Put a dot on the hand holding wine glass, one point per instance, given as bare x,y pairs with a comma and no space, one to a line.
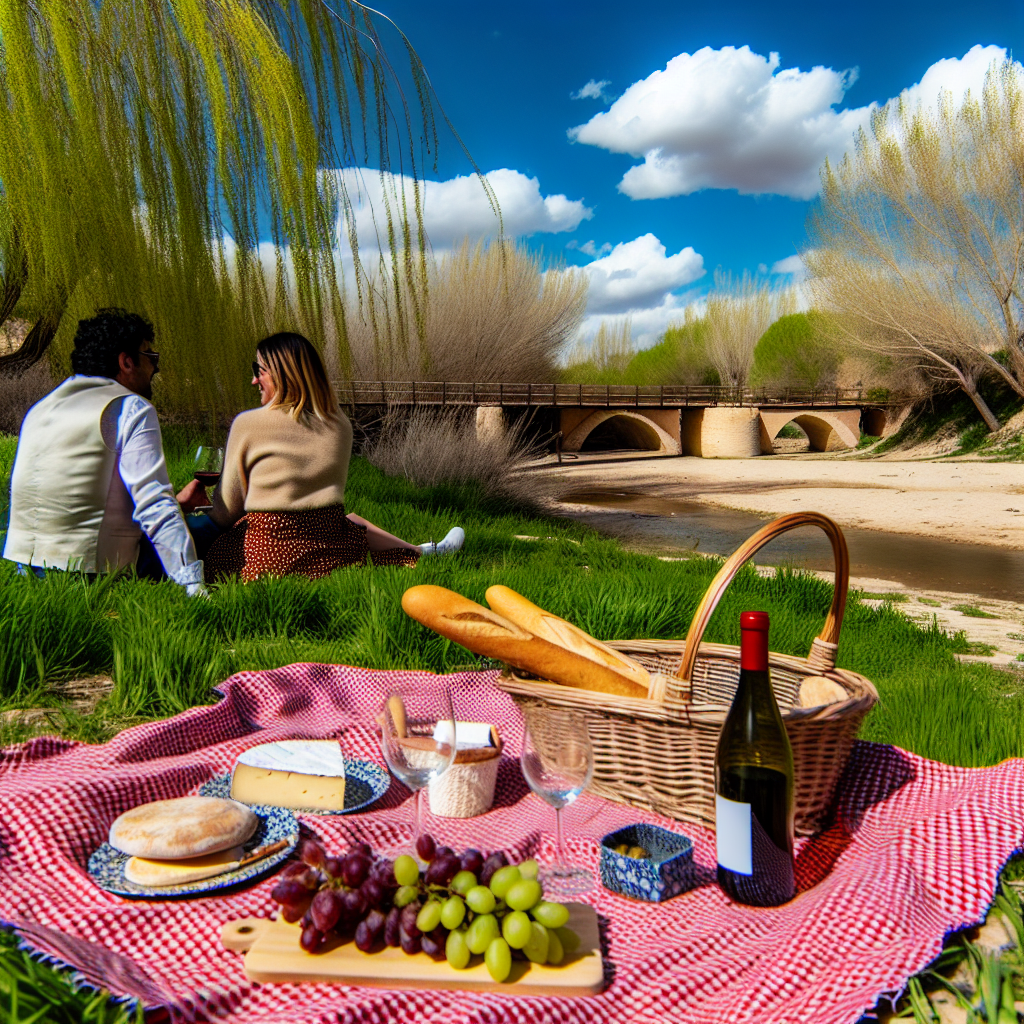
418,741
558,763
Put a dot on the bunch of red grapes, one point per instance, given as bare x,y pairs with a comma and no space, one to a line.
460,905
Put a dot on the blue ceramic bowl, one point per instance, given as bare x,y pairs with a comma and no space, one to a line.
667,872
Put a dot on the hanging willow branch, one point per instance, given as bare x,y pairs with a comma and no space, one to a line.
146,148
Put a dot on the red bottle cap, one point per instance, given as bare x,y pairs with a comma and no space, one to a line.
754,641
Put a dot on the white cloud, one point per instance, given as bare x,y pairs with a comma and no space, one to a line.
590,248
592,91
638,275
459,207
731,119
790,265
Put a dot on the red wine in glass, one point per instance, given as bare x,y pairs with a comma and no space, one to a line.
208,465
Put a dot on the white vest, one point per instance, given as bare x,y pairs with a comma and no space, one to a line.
69,507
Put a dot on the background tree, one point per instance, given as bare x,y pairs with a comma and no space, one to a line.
795,352
918,244
736,316
146,148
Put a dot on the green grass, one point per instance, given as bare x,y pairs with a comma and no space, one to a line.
973,611
166,652
955,411
895,598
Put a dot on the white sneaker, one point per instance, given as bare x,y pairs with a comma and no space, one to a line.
452,542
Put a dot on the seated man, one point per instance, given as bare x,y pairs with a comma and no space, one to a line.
89,475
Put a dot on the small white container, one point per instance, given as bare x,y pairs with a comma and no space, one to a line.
466,789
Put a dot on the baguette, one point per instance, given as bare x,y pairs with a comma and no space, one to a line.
485,632
550,627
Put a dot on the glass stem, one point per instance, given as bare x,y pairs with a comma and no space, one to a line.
560,860
417,821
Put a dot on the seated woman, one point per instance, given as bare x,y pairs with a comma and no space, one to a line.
281,495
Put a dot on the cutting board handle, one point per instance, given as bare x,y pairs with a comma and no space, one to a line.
241,934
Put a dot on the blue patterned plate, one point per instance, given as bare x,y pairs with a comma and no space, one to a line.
365,782
106,865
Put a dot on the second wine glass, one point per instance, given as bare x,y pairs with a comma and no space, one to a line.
558,763
418,743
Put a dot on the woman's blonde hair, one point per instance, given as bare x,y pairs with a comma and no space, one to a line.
300,381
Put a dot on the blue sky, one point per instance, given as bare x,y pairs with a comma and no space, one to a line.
506,75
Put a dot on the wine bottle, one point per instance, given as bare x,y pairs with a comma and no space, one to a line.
754,783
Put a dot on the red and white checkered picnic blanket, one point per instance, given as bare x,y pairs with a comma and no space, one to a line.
913,855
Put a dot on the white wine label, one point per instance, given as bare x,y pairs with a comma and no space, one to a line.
732,835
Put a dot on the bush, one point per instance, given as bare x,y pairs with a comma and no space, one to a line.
431,448
794,353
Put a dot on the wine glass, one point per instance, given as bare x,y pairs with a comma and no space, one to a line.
558,762
418,742
208,465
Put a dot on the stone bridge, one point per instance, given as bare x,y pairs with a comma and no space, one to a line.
721,431
707,421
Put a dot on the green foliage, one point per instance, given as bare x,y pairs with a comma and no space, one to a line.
159,131
680,357
794,352
689,340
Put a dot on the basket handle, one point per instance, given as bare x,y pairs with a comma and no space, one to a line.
823,650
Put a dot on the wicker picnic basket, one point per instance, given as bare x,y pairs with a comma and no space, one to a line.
661,755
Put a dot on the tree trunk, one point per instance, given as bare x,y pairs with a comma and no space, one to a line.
981,405
34,347
14,280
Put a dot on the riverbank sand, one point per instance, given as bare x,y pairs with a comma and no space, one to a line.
965,501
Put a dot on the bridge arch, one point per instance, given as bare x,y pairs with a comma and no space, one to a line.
826,431
632,429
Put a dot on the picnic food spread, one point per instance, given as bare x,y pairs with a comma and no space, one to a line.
297,774
459,907
183,828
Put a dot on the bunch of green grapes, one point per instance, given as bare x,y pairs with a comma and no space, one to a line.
497,910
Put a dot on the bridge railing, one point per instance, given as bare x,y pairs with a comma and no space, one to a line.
444,393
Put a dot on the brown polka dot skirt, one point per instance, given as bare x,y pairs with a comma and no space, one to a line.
311,543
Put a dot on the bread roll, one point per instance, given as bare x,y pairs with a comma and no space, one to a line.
485,632
550,627
816,691
190,826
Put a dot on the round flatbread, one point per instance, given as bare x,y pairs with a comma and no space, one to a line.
190,826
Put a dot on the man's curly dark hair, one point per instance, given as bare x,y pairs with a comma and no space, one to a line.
102,338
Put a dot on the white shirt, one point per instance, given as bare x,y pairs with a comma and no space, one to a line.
130,426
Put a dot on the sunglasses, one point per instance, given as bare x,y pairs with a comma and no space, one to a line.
257,369
152,356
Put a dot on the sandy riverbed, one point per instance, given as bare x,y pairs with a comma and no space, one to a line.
973,502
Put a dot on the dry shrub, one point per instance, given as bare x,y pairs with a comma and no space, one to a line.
20,391
431,447
489,313
736,317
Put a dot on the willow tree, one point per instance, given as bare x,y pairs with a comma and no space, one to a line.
918,245
146,148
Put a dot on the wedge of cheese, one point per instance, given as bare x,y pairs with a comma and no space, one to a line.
297,774
159,873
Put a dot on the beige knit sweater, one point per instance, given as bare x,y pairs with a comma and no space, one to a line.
274,463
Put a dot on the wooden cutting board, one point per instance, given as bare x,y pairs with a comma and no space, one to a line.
272,954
